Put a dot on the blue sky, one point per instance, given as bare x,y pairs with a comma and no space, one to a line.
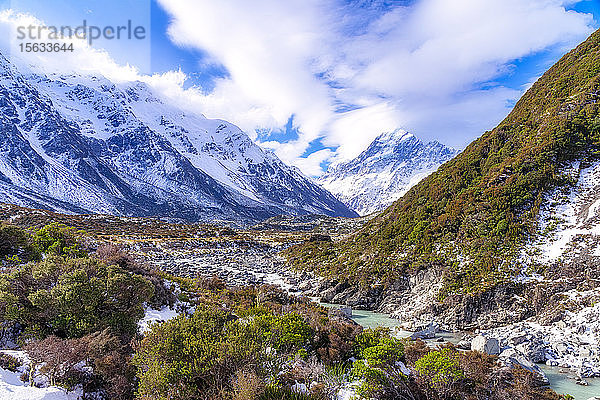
316,81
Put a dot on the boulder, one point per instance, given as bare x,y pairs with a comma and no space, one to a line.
427,333
347,311
464,345
328,295
534,351
485,345
512,358
518,339
561,348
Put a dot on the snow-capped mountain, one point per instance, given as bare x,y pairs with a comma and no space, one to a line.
392,164
85,144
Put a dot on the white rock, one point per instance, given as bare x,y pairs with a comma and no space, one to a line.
570,343
300,388
485,345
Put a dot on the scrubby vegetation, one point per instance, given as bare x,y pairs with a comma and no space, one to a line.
241,343
70,305
72,298
74,308
471,216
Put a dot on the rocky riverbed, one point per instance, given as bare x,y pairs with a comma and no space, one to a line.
237,261
572,342
566,336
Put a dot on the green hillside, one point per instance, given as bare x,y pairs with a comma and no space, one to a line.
472,215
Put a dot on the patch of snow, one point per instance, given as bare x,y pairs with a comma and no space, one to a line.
569,214
403,368
153,316
348,392
12,388
593,210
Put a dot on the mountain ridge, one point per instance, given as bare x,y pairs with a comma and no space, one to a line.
393,163
471,220
98,146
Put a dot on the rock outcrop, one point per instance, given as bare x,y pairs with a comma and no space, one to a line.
572,342
485,345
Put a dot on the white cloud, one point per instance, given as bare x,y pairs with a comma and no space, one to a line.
420,68
354,130
444,47
267,48
84,59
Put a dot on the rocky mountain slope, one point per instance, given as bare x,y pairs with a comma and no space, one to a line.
502,240
499,233
392,164
84,144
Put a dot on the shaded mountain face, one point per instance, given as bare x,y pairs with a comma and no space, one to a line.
86,145
488,215
392,164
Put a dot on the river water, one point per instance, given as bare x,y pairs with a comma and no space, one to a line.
560,382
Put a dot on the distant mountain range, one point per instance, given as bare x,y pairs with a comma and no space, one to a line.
83,144
392,164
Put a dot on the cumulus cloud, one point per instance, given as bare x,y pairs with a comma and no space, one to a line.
420,68
347,70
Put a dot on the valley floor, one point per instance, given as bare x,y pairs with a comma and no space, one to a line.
569,346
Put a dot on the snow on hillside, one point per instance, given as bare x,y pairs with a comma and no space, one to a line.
13,388
152,316
569,222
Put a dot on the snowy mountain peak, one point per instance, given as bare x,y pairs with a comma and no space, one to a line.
393,163
393,137
85,144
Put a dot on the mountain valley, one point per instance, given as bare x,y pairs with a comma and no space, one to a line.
148,252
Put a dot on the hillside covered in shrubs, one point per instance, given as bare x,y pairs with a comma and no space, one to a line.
475,213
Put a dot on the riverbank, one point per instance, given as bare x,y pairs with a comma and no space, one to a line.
561,380
562,383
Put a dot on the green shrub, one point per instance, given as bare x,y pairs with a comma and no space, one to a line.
203,355
377,367
369,338
288,332
16,245
58,239
274,392
9,362
72,297
188,357
440,369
